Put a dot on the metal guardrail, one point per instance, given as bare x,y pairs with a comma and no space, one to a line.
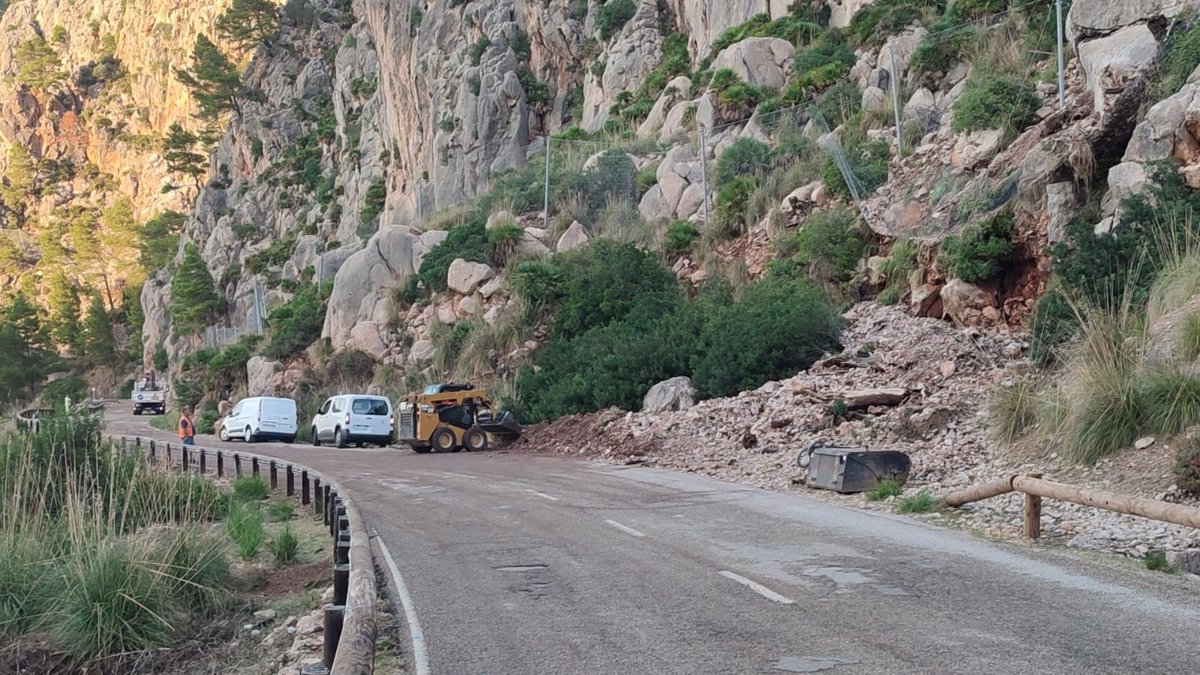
1036,488
349,622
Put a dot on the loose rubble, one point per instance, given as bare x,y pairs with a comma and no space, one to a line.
919,385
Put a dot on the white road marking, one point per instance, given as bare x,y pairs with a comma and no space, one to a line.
543,495
420,656
758,588
625,528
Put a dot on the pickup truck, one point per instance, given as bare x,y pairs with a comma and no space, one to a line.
148,397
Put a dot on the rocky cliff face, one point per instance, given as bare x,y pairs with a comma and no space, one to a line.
86,93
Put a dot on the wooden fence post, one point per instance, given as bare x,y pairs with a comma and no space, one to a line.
168,455
304,498
254,466
237,465
341,582
290,480
334,614
203,462
1033,513
274,476
183,463
220,464
152,452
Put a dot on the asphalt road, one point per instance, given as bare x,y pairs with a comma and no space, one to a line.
520,564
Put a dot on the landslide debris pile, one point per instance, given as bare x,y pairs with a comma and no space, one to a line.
902,383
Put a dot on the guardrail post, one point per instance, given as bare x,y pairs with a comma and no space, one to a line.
341,583
304,498
254,466
341,549
237,465
325,492
137,442
220,464
168,455
274,476
153,450
203,461
290,480
318,496
1033,513
183,464
334,615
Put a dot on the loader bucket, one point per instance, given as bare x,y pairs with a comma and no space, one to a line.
504,426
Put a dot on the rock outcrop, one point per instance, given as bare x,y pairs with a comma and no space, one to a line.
673,394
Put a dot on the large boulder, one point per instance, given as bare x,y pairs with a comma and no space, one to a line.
760,61
575,237
964,302
673,394
363,286
422,350
1088,18
976,148
675,91
259,370
464,277
368,337
1112,62
842,11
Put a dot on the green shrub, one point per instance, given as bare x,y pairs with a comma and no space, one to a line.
733,198
874,23
829,245
194,299
680,236
885,489
198,571
297,323
819,67
1182,55
505,240
606,282
778,328
613,15
478,49
922,502
980,252
468,241
373,204
647,178
538,283
839,103
745,157
1171,399
250,488
285,546
943,46
1187,466
868,164
995,101
1053,323
1189,337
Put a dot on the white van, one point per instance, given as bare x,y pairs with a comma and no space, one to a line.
354,418
261,418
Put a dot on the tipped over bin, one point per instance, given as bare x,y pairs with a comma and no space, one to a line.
852,469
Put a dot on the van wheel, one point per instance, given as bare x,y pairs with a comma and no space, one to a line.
339,438
224,435
475,439
316,441
443,440
248,436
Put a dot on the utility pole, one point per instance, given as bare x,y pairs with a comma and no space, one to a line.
546,189
896,99
1061,89
704,170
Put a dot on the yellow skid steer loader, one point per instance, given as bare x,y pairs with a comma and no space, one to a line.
451,417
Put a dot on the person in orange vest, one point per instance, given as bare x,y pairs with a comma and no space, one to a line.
187,430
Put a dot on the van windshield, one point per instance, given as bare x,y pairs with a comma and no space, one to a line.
370,406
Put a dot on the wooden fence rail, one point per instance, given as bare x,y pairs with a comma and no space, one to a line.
350,621
1035,488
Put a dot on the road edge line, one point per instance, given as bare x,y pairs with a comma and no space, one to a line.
758,588
415,634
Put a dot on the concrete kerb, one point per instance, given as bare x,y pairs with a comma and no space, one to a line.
356,648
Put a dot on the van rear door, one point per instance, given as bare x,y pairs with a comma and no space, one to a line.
278,415
370,416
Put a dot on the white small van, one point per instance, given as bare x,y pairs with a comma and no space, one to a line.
261,418
354,418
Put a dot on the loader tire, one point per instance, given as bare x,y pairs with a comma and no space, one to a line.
442,440
476,440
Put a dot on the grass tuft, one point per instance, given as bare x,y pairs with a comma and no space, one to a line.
245,527
1156,561
281,511
250,489
1014,410
921,502
885,489
1189,337
285,546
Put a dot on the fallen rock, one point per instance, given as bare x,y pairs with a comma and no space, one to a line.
464,277
964,302
673,394
573,238
1144,442
264,616
976,148
865,398
1187,560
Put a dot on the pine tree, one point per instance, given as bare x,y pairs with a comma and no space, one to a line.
17,182
248,23
27,357
159,240
213,79
179,150
63,300
98,345
194,301
37,63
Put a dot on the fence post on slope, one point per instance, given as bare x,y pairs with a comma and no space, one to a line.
546,189
704,171
896,100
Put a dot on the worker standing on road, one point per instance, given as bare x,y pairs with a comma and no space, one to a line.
187,430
